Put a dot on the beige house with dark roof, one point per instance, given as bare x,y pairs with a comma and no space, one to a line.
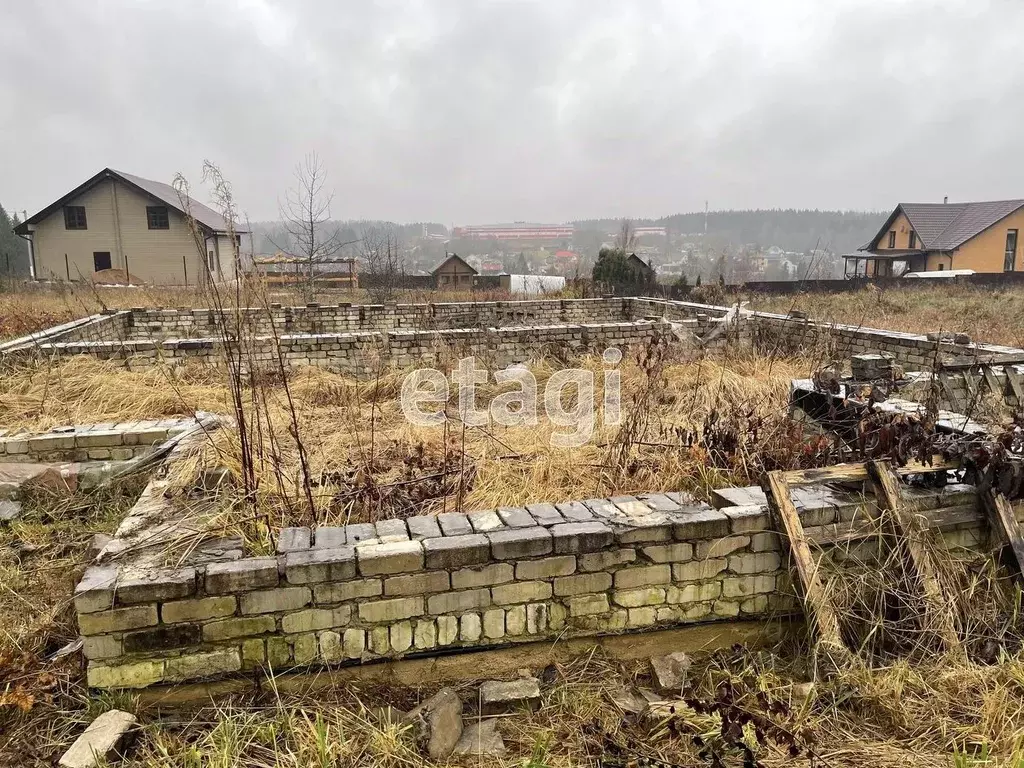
924,237
117,221
454,272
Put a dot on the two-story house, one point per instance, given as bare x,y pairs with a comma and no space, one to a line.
924,237
117,221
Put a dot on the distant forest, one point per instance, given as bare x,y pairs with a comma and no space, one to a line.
789,229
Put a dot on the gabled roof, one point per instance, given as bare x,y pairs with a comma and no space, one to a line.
643,264
453,257
945,226
162,193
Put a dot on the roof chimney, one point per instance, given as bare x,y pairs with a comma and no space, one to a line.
945,199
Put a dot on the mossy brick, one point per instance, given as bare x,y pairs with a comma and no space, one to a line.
401,636
293,540
254,653
582,584
603,561
643,576
319,565
95,590
699,523
716,548
155,586
575,538
102,647
417,583
194,666
635,598
139,674
313,619
199,609
118,620
536,618
642,617
391,610
517,543
546,568
457,602
274,600
331,646
745,586
483,575
391,557
586,605
241,575
451,552
755,562
279,652
100,438
694,593
341,591
305,649
521,592
698,570
470,627
669,553
659,502
247,626
423,527
425,634
163,637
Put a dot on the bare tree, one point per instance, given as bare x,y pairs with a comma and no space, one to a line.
306,211
379,249
626,240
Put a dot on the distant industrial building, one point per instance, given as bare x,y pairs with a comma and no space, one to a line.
516,231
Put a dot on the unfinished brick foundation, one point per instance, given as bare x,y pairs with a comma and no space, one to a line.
465,581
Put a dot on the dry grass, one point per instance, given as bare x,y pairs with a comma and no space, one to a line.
993,316
711,422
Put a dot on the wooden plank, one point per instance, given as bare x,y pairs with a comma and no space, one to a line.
819,606
992,381
858,472
909,530
1003,520
1016,383
949,392
963,363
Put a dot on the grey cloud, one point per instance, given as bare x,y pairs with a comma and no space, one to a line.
486,111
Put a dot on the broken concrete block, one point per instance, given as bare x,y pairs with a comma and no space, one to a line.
481,738
438,722
669,672
9,510
101,740
500,695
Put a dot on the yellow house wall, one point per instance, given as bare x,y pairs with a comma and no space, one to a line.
902,226
984,253
116,219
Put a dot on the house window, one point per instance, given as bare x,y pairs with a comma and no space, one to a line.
156,215
941,267
211,261
100,260
912,239
74,217
892,238
1010,256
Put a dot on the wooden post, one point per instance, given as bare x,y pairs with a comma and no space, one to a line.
820,608
1003,522
906,527
67,267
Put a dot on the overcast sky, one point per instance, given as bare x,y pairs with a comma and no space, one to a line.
473,112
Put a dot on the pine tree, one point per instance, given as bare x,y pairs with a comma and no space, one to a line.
13,250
